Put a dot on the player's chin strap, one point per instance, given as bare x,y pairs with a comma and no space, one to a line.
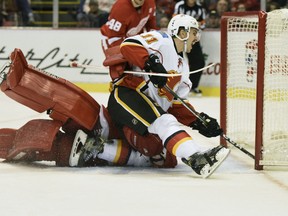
204,122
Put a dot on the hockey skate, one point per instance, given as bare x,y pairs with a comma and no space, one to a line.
84,148
206,163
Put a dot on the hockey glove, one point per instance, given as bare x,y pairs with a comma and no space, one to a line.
153,64
210,128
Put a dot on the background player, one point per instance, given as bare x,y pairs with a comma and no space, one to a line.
128,18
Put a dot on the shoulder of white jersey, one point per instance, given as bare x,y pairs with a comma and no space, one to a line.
153,39
161,34
161,37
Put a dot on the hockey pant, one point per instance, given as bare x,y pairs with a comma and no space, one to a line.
134,109
131,109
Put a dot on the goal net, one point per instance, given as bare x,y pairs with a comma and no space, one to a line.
254,83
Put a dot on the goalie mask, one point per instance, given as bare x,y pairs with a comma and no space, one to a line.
182,21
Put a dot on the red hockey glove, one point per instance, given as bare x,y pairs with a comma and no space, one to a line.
153,64
210,128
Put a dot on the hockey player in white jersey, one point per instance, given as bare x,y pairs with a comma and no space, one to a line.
140,102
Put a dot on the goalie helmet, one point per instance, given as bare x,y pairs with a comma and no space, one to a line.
182,20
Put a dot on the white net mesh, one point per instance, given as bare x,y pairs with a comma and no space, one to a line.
242,50
241,78
275,113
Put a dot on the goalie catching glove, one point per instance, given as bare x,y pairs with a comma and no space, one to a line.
153,64
208,128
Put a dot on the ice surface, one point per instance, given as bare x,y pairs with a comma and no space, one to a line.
235,189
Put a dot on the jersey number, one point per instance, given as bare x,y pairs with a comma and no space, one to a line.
149,38
114,25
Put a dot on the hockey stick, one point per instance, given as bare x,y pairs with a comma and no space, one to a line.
203,121
94,67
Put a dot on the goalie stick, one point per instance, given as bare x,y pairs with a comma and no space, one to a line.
76,64
203,121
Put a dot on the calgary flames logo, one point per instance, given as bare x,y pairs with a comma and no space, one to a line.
171,82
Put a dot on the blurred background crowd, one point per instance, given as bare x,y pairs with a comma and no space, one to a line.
94,13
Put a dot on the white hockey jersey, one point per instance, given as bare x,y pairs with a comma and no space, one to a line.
162,45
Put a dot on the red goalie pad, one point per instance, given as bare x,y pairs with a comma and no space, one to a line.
42,91
37,140
36,135
7,136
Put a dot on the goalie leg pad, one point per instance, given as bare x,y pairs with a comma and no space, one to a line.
7,136
41,91
34,136
60,151
62,146
148,144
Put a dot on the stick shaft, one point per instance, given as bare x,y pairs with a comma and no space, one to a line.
94,67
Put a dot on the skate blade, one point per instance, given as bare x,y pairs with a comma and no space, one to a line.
79,141
221,156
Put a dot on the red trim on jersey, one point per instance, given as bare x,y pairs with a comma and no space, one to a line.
175,139
134,53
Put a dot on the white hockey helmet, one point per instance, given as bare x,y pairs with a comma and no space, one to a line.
182,20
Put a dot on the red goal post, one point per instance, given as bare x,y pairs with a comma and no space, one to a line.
254,83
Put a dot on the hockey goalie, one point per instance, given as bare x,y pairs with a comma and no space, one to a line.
78,130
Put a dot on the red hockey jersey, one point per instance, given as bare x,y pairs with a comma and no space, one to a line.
125,21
